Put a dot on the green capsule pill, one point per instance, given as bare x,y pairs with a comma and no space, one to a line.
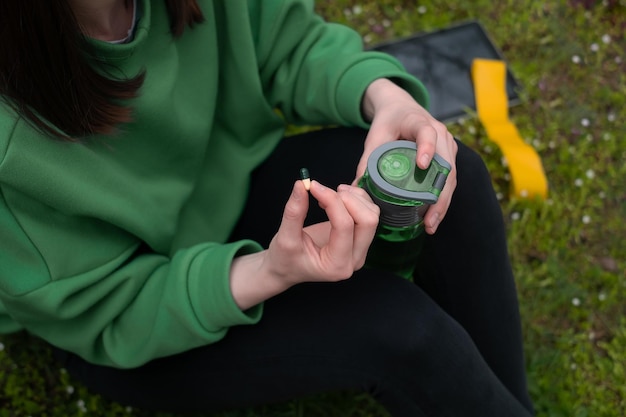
306,178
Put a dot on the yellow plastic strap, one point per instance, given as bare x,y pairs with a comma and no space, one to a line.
527,175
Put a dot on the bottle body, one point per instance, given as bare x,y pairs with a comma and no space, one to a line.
396,249
403,192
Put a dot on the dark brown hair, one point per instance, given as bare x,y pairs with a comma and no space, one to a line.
46,76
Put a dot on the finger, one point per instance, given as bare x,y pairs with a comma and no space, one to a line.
339,247
376,136
295,212
426,137
437,212
360,169
361,195
365,215
319,233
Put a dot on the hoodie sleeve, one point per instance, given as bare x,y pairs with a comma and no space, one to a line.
315,71
92,289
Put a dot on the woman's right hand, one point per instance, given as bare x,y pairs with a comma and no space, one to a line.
329,251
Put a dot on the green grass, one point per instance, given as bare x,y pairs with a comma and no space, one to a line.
568,252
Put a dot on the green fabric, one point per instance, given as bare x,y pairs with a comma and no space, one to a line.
114,247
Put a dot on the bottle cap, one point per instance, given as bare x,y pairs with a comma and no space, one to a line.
399,187
393,171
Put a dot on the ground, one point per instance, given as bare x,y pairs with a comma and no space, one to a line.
568,251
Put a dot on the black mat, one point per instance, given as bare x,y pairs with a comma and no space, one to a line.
442,60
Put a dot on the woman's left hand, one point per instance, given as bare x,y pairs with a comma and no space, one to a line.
396,115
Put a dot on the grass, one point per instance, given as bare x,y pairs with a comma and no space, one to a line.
568,252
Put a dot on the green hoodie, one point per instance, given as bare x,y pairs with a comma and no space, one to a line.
114,248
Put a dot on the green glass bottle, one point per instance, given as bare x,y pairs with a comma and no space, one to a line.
403,192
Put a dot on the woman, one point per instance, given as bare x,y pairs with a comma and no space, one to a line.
153,232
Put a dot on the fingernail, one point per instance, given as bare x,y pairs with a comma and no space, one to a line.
425,160
319,186
343,187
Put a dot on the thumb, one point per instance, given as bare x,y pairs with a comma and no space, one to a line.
360,169
295,211
377,135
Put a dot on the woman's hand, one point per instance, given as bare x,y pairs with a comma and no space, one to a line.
329,251
396,115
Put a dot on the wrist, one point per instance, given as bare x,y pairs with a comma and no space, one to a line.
252,282
374,95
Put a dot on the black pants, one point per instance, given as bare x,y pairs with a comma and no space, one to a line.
449,346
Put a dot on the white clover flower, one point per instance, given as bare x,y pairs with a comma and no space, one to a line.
129,409
611,117
585,122
592,335
590,174
81,406
576,59
1,346
386,23
504,162
422,9
607,136
578,182
552,144
357,9
367,38
573,366
536,143
586,219
515,216
594,47
606,38
576,301
471,130
602,195
602,296
69,389
523,193
488,149
618,59
499,196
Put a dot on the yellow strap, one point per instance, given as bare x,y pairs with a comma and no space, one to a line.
492,105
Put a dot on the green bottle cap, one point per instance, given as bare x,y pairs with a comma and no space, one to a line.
393,171
399,187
